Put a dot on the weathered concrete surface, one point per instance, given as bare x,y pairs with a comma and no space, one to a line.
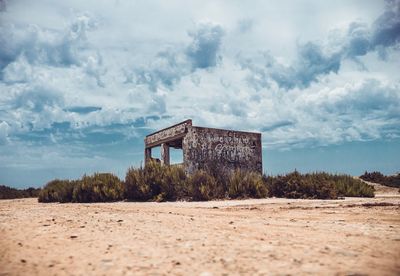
165,154
167,134
226,148
207,147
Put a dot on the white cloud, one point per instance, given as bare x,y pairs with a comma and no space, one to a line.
18,71
45,45
4,127
118,67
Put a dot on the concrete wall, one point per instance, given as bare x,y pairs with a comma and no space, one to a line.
231,149
167,134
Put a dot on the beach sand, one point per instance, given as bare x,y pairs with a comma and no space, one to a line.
352,236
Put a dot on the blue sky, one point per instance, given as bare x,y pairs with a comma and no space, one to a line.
82,82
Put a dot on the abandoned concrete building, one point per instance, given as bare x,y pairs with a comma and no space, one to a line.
202,147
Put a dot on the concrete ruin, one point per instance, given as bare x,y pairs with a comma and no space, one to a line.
203,147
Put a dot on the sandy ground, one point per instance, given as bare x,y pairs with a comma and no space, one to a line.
272,236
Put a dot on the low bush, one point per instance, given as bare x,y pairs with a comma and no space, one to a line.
57,191
136,188
100,187
221,174
347,185
155,182
317,186
174,184
243,184
162,183
203,186
296,185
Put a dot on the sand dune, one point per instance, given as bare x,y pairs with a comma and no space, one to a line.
267,236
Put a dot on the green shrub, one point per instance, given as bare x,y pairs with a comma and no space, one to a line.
203,186
173,184
351,187
221,174
317,185
132,184
155,182
136,186
100,187
57,191
243,184
296,185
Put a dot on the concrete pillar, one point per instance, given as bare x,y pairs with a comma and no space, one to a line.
164,154
147,155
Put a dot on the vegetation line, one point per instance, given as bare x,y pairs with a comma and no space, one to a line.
170,183
10,193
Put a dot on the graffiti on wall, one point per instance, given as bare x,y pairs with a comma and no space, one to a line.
225,147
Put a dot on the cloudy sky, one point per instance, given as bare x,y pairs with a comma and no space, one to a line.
82,82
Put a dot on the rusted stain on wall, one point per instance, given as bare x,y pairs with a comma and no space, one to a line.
204,147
